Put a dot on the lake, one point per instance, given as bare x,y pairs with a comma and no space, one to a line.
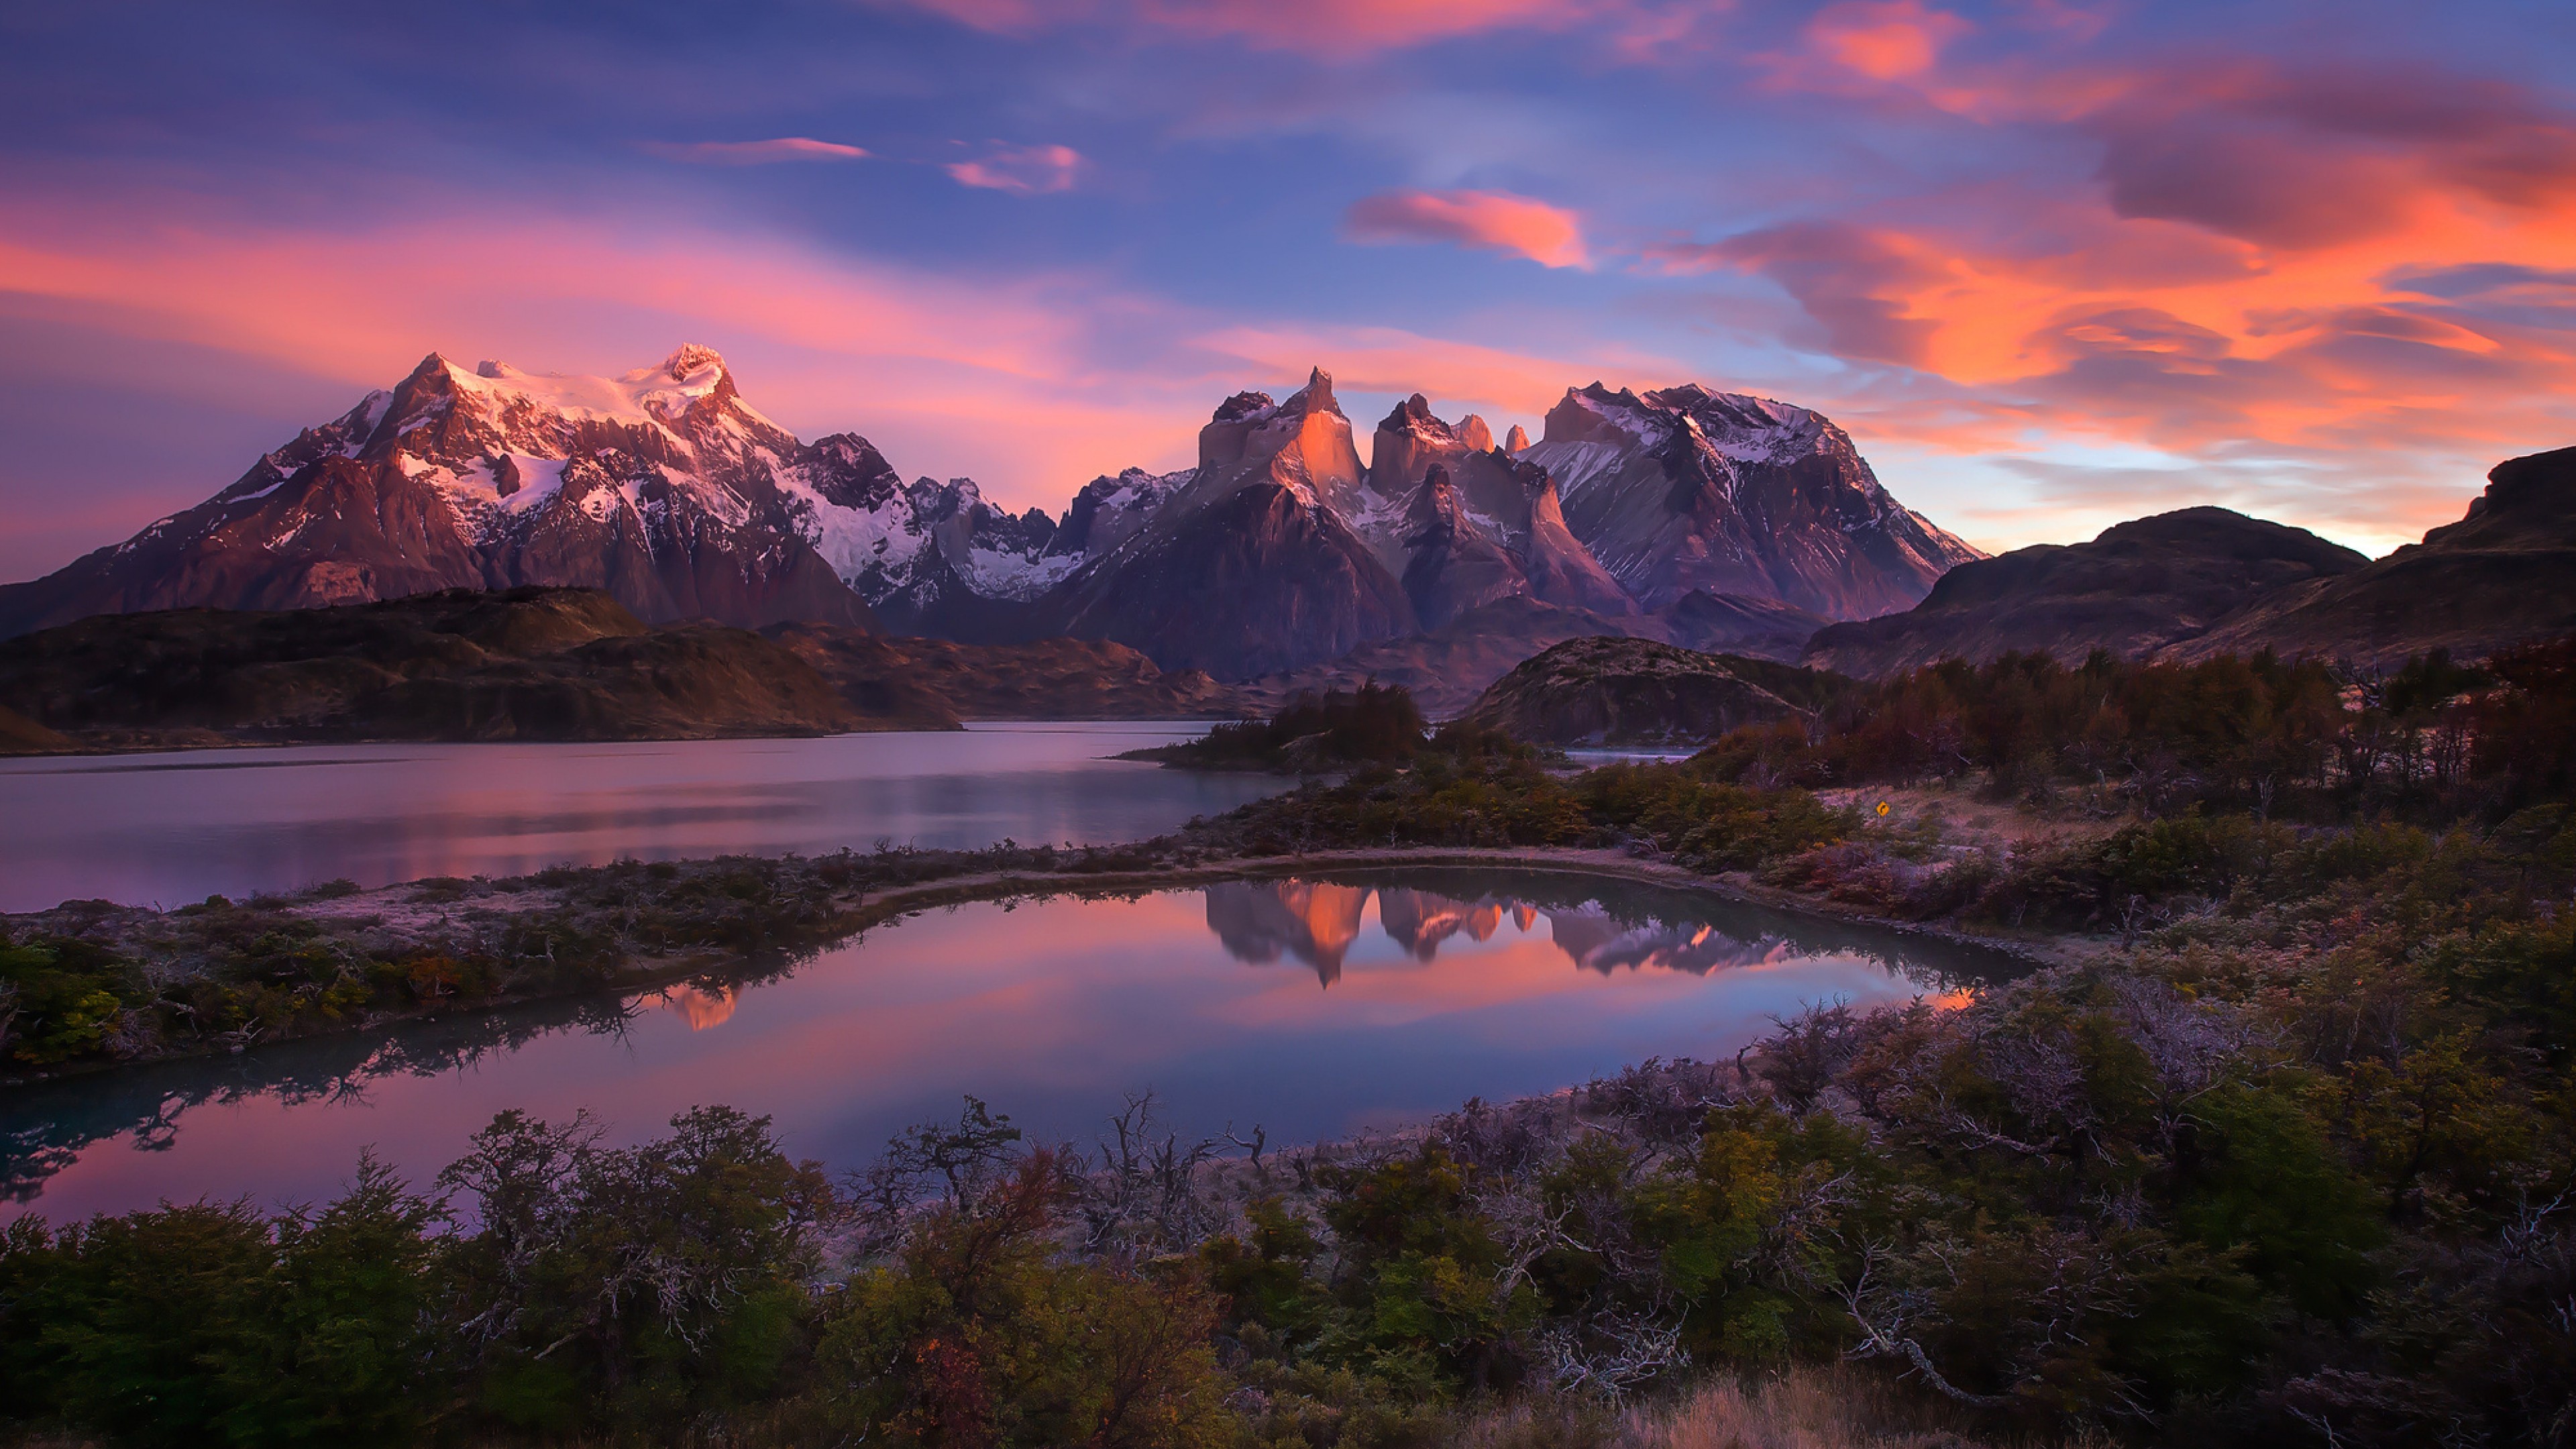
1312,1008
172,828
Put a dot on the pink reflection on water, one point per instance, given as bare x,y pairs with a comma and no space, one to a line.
1052,1010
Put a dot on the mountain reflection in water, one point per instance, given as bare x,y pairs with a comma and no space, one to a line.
1444,985
1317,922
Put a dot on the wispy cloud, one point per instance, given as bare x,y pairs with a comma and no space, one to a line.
1496,220
1315,27
755,153
1029,170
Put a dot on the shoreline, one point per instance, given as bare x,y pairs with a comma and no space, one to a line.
863,910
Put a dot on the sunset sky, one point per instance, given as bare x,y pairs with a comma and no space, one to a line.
2053,264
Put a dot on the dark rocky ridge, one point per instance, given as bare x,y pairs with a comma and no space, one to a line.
1446,668
2503,575
1047,679
1638,691
2137,588
524,664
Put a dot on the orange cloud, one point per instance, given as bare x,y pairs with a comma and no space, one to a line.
1030,170
2244,280
1884,39
1496,220
756,153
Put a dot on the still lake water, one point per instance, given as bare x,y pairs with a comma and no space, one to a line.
172,828
1313,1008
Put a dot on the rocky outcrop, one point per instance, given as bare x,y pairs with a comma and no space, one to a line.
1047,679
1630,691
1302,445
1109,511
525,664
1451,565
1263,579
2503,575
1250,567
1685,488
1500,506
2137,588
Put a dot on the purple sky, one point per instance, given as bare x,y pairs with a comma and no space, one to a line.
2052,264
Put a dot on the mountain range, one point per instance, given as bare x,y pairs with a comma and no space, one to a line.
1281,550
1283,559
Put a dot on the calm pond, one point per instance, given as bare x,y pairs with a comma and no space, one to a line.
1312,1008
173,828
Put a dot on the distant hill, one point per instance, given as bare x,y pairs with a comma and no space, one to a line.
20,735
2503,575
2137,588
1048,679
1445,669
523,664
1638,691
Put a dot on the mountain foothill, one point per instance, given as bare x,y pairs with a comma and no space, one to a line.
1689,520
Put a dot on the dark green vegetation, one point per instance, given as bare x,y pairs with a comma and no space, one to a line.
2286,1156
2434,741
1311,732
526,664
1619,691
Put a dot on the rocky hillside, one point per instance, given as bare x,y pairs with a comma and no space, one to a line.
1447,668
1048,679
2503,575
1684,488
2137,588
1638,691
526,664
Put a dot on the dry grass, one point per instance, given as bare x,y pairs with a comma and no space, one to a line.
1805,1407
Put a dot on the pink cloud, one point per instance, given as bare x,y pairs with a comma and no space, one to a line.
756,153
1029,170
1356,25
1497,220
922,363
1884,39
1328,27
